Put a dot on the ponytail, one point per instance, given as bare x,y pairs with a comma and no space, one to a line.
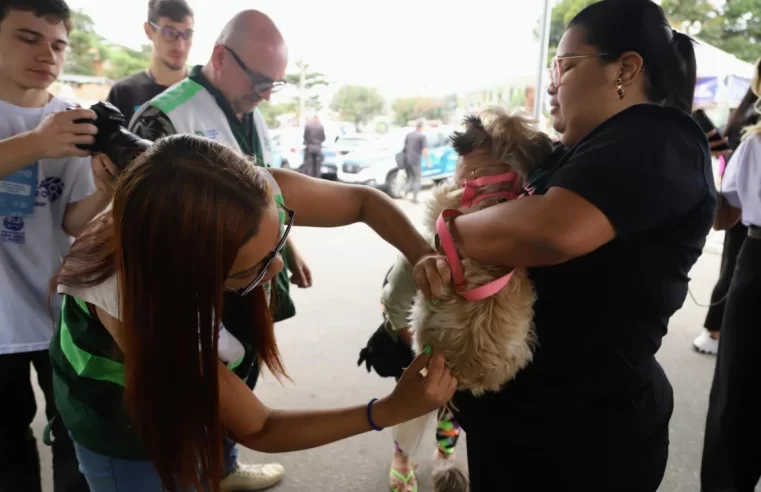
682,92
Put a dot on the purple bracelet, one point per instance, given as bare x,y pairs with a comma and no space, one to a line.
370,415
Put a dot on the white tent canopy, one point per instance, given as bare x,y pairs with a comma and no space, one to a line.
713,62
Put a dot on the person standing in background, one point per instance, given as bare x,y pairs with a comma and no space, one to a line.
170,29
415,147
734,237
731,461
314,137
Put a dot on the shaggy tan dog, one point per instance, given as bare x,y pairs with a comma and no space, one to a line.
486,337
485,342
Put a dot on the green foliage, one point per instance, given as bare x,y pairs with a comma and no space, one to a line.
88,51
561,15
125,61
732,25
272,111
517,97
358,104
412,108
312,82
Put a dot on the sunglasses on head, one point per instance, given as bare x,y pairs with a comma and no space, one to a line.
171,34
259,82
266,262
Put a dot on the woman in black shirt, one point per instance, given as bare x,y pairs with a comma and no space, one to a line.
609,236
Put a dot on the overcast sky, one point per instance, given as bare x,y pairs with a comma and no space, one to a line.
397,46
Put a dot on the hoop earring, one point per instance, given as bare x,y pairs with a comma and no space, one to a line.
620,88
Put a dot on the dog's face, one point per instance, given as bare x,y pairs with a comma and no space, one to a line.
496,139
503,142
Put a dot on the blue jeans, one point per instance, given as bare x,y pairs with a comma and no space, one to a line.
107,474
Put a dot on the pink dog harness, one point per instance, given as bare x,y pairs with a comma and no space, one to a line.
470,198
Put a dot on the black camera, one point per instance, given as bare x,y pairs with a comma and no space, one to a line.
112,139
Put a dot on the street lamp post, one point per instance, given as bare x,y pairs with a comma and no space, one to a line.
544,47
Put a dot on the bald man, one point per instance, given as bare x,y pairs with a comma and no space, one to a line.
218,101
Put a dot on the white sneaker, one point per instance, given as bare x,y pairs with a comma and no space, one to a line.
705,344
253,477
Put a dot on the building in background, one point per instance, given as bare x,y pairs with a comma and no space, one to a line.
84,90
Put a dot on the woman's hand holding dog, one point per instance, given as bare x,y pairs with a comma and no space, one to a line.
417,394
432,274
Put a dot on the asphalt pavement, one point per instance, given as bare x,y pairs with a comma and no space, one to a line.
335,318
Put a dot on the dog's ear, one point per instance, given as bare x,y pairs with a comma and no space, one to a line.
474,136
473,121
515,140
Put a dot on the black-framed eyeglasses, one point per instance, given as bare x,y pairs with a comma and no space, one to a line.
259,82
266,262
171,34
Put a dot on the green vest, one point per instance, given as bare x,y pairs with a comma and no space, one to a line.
195,106
88,375
88,383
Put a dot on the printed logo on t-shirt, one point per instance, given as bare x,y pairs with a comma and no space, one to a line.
48,191
18,192
13,230
212,134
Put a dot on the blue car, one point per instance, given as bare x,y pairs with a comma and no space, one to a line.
376,164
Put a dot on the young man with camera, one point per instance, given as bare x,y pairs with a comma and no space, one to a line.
219,101
49,190
170,29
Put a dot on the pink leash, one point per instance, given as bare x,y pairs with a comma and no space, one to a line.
469,199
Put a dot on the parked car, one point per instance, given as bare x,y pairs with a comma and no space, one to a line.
288,151
287,147
376,165
337,151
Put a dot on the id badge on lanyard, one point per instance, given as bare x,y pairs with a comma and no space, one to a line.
18,192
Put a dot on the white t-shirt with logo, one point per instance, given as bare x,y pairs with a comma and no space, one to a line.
32,241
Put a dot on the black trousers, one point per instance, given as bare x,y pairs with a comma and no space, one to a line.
313,162
19,457
733,241
615,444
731,451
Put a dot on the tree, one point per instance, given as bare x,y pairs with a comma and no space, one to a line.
733,26
90,54
85,46
357,103
411,108
272,111
126,61
562,14
307,82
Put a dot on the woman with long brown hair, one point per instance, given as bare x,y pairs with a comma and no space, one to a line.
147,380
